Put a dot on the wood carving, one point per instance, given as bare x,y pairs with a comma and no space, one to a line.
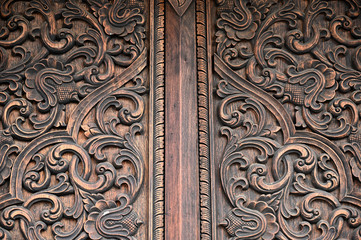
180,6
289,106
203,122
158,120
72,100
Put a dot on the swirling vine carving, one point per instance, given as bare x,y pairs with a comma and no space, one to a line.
72,101
288,90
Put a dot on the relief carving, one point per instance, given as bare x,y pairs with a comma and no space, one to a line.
159,120
204,134
72,101
289,108
180,6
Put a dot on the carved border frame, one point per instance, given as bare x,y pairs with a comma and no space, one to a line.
157,69
204,130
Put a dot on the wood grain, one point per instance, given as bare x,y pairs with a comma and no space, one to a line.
181,166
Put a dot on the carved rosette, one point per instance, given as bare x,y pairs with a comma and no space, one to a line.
72,101
288,91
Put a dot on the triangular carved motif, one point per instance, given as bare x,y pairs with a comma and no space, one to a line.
180,6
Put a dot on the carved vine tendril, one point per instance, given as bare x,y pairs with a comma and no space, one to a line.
71,108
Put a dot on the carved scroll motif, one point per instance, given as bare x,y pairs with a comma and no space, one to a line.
289,106
72,100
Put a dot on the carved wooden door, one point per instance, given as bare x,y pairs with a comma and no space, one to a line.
180,119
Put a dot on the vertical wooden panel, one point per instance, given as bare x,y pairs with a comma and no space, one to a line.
181,169
74,114
287,119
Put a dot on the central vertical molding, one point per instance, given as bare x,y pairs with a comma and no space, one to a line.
181,131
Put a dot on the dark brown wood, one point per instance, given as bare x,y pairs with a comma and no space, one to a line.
287,107
156,141
74,121
180,6
181,165
204,118
180,119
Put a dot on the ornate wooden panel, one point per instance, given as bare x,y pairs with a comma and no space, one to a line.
75,131
180,119
286,120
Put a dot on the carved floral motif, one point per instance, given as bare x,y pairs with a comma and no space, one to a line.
49,83
289,106
71,107
107,220
257,221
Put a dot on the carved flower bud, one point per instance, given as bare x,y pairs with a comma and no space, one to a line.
108,221
256,221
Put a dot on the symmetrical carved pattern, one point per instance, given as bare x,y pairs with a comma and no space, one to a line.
72,101
289,107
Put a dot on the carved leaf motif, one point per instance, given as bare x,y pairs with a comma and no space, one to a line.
91,129
108,221
270,131
298,156
300,65
126,23
72,86
256,221
50,83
